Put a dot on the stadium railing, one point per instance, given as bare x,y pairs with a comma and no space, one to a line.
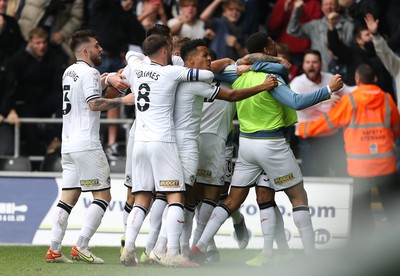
127,123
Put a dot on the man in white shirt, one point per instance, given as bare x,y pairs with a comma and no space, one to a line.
85,166
313,151
156,164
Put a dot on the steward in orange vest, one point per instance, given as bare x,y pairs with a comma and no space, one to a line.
371,124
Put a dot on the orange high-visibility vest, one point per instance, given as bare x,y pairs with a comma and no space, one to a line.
371,121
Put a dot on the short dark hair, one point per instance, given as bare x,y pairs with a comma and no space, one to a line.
213,54
80,37
313,52
153,43
257,42
358,28
158,29
191,46
366,74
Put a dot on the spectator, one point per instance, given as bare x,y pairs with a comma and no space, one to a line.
362,51
313,151
253,17
10,41
37,70
59,18
316,29
10,34
136,32
391,62
7,113
226,35
254,10
187,24
371,122
278,22
14,7
284,52
150,12
108,19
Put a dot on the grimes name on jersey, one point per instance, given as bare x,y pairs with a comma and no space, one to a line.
147,74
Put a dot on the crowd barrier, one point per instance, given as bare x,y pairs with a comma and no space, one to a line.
127,123
27,199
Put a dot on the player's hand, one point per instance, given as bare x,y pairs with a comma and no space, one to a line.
336,83
270,83
285,62
242,69
119,82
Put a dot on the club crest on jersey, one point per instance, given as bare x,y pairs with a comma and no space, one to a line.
283,179
169,183
89,183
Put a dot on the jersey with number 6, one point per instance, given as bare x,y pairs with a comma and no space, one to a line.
80,132
154,87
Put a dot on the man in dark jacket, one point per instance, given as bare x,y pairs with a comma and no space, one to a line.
361,52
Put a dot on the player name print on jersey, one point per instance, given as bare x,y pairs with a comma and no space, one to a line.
147,74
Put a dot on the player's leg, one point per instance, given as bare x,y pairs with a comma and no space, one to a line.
156,217
142,176
210,178
189,156
218,216
130,198
280,235
302,217
169,180
94,175
60,217
160,247
266,204
134,223
190,206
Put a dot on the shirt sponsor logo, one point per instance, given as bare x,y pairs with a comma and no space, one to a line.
169,183
89,183
204,173
284,179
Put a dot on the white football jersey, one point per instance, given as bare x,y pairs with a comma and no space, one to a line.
218,115
188,107
81,126
154,87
